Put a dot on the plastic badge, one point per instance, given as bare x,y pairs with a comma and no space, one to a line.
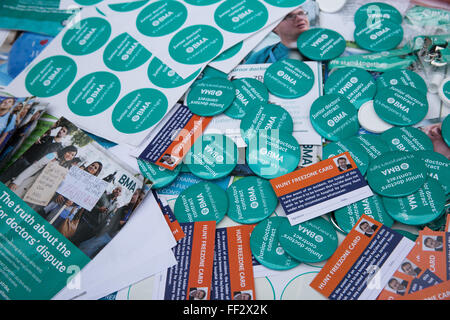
204,201
213,156
358,154
321,44
401,105
289,78
377,10
334,117
311,241
370,121
249,93
252,200
267,249
159,176
402,77
381,35
407,139
372,144
445,130
396,174
438,167
444,92
423,206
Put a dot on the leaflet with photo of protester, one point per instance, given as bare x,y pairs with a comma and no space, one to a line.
61,203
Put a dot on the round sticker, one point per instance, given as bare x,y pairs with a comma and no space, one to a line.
438,167
249,93
204,201
331,6
266,248
444,92
372,144
407,139
334,117
196,44
231,52
252,200
159,176
201,2
445,129
374,11
265,117
310,241
87,2
272,153
421,207
139,110
241,16
213,156
401,106
370,121
348,216
164,77
285,3
382,35
358,154
87,36
161,18
321,44
127,6
356,84
124,53
93,94
210,96
289,78
396,174
401,77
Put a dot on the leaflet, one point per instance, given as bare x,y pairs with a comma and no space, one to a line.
438,292
436,252
171,220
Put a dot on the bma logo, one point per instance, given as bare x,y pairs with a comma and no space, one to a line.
279,251
394,82
319,238
354,80
395,141
391,100
404,166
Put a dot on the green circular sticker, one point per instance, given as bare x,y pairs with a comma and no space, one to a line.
159,176
407,139
87,2
51,76
212,156
289,78
139,110
401,106
272,153
164,77
396,174
401,77
210,96
161,18
201,2
358,154
310,241
127,6
87,36
372,144
124,53
249,93
445,91
229,53
196,44
334,117
266,248
356,84
445,129
382,35
348,216
204,201
241,16
93,94
421,207
371,12
438,167
265,117
252,200
321,44
285,3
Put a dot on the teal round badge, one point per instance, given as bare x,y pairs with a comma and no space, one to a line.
201,2
358,153
310,241
159,176
438,167
127,6
334,117
356,84
401,77
401,105
266,248
372,144
285,3
445,130
93,94
212,156
124,53
87,2
382,35
373,11
241,16
164,77
348,216
51,76
251,200
161,18
407,139
421,207
321,44
204,201
87,36
229,53
444,91
289,78
139,110
272,153
265,117
196,44
211,96
396,174
249,94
